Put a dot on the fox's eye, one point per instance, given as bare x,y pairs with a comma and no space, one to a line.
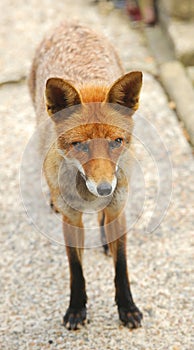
116,143
81,146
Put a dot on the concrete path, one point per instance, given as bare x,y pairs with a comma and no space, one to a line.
34,270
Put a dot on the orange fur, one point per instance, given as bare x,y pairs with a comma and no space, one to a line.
93,93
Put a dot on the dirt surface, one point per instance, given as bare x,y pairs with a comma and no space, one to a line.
34,269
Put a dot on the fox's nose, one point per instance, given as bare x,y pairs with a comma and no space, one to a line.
104,189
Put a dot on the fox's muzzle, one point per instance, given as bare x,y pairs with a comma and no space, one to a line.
102,189
100,176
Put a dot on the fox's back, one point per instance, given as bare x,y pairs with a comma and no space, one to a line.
77,54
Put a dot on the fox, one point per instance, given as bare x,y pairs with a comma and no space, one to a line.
78,83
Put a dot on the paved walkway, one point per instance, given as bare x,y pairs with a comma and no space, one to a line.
34,271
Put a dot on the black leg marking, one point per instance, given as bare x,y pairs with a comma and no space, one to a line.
129,314
103,235
76,313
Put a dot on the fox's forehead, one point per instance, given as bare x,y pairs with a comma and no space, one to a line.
94,121
94,131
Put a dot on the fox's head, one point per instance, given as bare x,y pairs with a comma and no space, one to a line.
94,126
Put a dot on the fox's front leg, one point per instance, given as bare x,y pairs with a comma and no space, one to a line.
74,240
115,228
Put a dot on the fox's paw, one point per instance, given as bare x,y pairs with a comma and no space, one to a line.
131,317
74,318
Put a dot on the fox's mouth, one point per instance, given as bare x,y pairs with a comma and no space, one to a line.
83,175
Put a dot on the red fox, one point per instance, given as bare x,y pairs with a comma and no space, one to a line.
78,81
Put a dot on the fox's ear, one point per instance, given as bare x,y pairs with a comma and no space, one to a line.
125,91
60,94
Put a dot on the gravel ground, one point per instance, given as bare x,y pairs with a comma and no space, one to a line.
34,269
